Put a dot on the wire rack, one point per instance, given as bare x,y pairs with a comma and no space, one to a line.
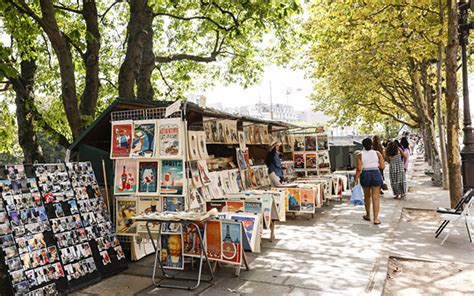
143,114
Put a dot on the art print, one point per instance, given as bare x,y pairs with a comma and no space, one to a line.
192,240
323,142
172,180
220,131
193,152
241,159
307,200
197,182
204,172
105,258
294,200
248,222
219,205
208,131
143,144
323,160
170,227
254,207
310,143
298,159
125,181
242,142
235,206
202,147
311,162
253,178
126,209
213,240
148,177
21,288
231,242
173,204
299,143
121,140
169,138
15,172
172,256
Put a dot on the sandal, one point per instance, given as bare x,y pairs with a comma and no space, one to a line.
366,218
377,222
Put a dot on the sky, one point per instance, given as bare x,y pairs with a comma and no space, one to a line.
282,80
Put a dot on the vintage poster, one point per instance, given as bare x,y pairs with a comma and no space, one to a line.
219,205
213,240
231,242
147,177
121,140
240,155
173,204
310,143
169,138
249,223
193,152
323,160
298,159
242,142
192,241
208,131
202,147
307,200
267,202
294,200
126,209
253,178
214,132
143,143
219,131
193,165
125,181
204,172
266,137
299,144
235,206
323,142
311,162
172,256
148,204
254,207
172,177
232,124
234,180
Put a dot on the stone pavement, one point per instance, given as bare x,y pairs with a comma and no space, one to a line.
335,253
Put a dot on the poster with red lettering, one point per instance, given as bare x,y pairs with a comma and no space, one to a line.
121,140
170,139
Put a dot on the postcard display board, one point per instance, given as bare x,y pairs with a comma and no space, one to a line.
311,153
55,230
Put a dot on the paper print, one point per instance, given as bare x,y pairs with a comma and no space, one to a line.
193,152
254,207
192,241
173,204
294,199
267,202
298,159
169,138
202,148
15,172
193,165
235,206
299,143
203,172
147,177
126,209
208,131
172,251
172,180
121,140
213,240
241,159
231,242
323,160
311,162
307,200
253,178
125,176
310,143
219,205
242,142
322,142
248,222
143,144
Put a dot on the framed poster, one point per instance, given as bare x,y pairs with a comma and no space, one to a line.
172,177
125,181
231,242
143,143
121,140
172,256
126,209
148,177
170,138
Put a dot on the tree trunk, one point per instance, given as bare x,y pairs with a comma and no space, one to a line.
144,87
137,36
439,93
23,86
452,105
66,66
91,60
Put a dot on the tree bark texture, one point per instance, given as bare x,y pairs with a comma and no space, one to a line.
137,38
91,60
144,86
23,85
66,66
439,94
452,105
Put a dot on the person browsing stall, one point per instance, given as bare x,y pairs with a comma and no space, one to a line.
369,164
273,163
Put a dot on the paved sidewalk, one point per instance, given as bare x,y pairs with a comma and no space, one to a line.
335,253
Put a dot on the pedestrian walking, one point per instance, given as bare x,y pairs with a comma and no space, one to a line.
406,150
369,163
397,172
377,146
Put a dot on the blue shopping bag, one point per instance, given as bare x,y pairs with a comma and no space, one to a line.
357,196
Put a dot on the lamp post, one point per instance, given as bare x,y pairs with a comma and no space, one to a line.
467,153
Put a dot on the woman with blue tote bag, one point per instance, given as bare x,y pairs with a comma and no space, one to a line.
369,164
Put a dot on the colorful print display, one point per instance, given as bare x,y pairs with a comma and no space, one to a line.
302,199
121,140
311,154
